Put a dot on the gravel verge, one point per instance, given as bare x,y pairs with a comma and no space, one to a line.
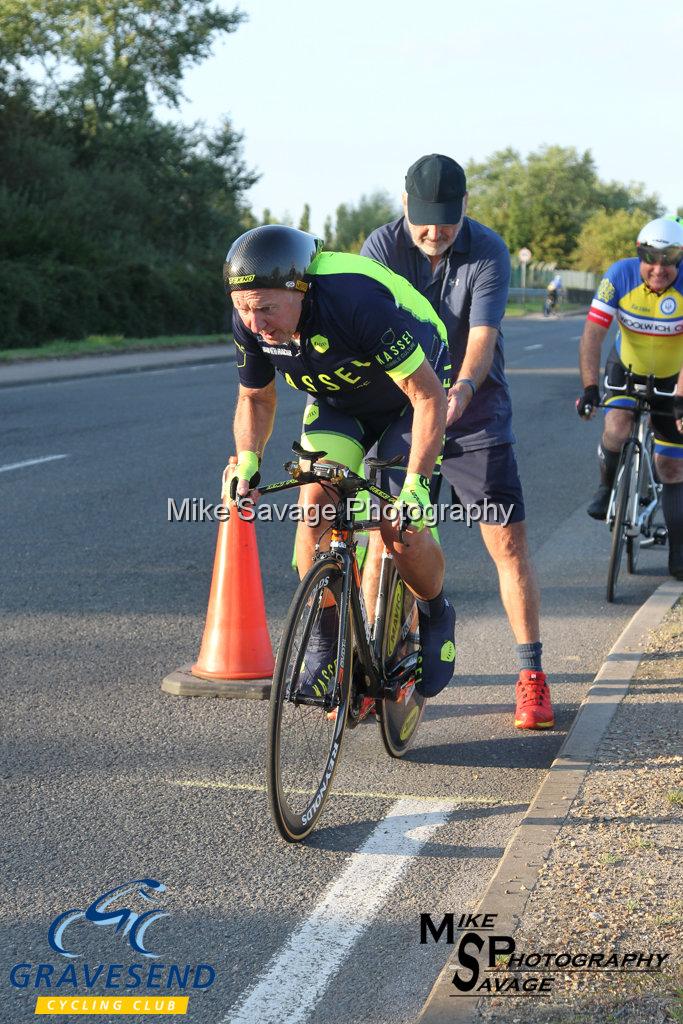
611,883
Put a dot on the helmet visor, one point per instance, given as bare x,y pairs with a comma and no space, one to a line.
670,256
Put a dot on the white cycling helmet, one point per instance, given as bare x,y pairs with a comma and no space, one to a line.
661,241
661,233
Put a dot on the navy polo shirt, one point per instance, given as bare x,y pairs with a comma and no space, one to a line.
469,288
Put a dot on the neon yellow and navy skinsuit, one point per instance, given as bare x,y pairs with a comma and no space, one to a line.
362,328
649,340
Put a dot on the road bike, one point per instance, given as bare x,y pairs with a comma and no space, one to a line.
375,666
635,498
551,303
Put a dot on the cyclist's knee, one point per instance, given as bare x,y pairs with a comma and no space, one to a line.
617,428
313,499
669,471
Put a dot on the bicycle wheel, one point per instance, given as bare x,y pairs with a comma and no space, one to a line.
645,497
623,487
305,738
400,718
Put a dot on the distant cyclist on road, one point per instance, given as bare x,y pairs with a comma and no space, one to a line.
553,294
371,354
645,296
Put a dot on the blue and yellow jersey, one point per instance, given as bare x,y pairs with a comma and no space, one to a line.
650,337
362,328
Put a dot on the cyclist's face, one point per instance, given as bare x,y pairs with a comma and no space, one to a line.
271,312
433,239
656,277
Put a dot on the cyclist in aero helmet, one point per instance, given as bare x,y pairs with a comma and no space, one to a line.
370,354
645,295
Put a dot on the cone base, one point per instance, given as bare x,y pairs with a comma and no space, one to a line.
182,683
201,673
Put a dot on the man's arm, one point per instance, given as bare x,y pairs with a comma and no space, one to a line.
679,404
481,344
254,418
590,347
428,399
488,301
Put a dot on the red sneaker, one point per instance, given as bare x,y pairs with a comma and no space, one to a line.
534,710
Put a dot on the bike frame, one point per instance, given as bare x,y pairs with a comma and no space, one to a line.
637,439
367,639
636,516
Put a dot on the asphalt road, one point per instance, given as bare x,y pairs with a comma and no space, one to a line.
107,779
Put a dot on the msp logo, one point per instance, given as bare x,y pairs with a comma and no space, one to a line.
320,343
667,306
125,921
605,290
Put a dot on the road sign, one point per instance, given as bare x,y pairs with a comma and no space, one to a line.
524,255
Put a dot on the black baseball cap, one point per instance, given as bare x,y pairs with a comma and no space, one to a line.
436,187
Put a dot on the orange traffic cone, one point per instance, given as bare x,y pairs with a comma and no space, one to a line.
236,643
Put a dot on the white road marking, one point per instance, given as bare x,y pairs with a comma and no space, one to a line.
297,976
530,348
31,462
360,794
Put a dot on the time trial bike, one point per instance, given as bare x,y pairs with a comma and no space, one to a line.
374,671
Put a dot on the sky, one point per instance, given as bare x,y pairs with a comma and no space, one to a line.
336,100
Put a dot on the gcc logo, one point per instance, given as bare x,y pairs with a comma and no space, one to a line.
124,920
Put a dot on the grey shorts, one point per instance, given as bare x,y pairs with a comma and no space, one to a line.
488,478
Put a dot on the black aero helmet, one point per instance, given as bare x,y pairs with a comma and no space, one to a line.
272,256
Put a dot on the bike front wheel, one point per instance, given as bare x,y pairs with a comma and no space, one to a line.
400,647
306,731
646,496
623,488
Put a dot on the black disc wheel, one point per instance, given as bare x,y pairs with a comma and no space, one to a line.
619,525
400,718
306,729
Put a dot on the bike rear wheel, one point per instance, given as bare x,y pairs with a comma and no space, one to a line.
400,646
623,487
305,733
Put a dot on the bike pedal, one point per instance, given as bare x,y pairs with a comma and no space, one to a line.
661,535
367,707
406,692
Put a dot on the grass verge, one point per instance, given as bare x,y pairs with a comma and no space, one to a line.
102,344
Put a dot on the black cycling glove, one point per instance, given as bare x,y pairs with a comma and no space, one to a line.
588,401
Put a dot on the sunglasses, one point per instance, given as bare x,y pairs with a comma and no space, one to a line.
669,257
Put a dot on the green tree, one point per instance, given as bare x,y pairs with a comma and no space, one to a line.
305,222
497,195
614,196
607,237
544,201
104,57
354,223
111,222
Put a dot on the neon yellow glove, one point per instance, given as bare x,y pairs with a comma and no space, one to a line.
247,468
415,499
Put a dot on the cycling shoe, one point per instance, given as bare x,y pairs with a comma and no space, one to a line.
437,651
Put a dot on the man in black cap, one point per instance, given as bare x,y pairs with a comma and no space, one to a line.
463,268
